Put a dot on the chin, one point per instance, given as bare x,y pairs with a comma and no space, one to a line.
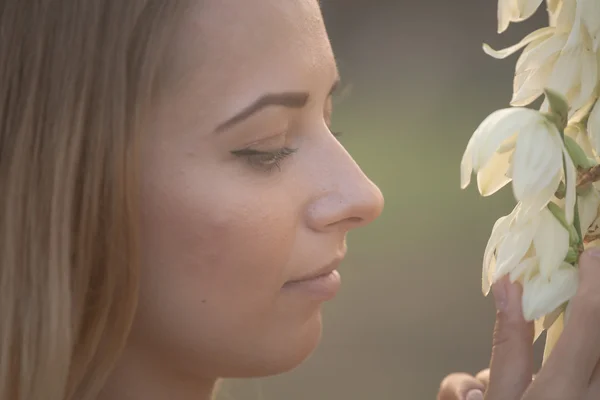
282,353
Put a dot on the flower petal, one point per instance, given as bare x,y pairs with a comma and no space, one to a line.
553,7
542,296
533,204
466,164
514,247
551,242
496,130
588,78
500,54
487,276
593,127
493,176
528,8
583,111
499,231
578,133
495,133
530,84
537,159
546,52
507,11
590,14
571,194
525,267
575,36
567,72
588,209
566,16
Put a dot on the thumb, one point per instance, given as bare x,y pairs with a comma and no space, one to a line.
511,367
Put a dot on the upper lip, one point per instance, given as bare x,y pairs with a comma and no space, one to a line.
325,270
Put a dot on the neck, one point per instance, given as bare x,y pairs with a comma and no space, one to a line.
140,378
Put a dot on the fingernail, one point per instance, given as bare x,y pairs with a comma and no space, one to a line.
474,394
500,292
593,252
588,268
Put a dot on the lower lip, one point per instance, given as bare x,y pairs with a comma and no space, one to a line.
324,286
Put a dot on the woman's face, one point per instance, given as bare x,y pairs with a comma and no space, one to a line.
244,189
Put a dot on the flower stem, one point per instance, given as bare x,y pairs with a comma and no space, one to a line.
577,224
591,238
576,220
587,177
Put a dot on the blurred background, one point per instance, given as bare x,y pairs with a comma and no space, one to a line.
411,309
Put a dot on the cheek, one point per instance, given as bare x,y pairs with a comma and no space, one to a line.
214,257
224,243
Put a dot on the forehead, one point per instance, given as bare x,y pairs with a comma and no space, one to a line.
237,47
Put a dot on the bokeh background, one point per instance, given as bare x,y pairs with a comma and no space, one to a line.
411,308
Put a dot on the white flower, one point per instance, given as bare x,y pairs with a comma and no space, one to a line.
559,57
593,127
523,244
531,249
542,295
521,145
576,71
499,233
590,15
535,67
533,37
562,14
515,11
553,7
583,112
530,244
578,133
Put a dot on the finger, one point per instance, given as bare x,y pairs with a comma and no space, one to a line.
484,377
511,366
578,349
594,388
460,386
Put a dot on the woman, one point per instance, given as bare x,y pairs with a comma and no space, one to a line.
174,204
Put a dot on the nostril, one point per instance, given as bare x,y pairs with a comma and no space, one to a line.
349,222
355,220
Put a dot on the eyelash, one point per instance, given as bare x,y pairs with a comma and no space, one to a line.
267,160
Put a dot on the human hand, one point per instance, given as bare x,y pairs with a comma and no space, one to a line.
464,386
571,372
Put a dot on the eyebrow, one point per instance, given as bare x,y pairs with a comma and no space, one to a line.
285,99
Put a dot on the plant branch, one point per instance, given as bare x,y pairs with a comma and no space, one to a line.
587,177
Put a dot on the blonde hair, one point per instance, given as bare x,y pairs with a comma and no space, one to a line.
76,78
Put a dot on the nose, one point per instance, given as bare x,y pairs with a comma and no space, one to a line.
347,201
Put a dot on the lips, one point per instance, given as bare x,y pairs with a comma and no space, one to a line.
322,272
319,286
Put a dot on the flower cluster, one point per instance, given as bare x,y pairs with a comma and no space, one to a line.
550,156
